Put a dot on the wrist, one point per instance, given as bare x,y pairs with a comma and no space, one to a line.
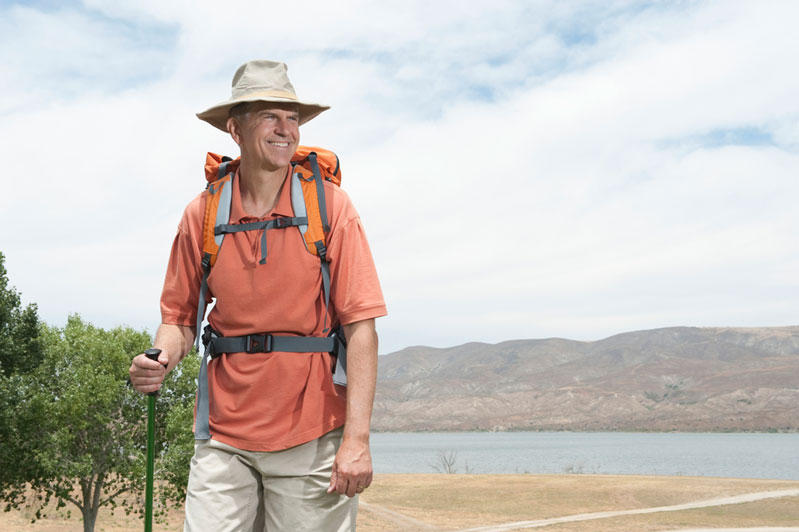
356,436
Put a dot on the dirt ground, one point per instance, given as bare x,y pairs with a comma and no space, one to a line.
404,503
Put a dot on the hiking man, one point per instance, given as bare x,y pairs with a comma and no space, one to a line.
280,446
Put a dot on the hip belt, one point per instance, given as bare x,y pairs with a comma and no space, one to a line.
216,345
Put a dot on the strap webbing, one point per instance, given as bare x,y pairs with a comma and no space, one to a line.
276,223
201,429
267,343
263,226
320,190
321,250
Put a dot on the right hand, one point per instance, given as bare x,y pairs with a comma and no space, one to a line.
147,375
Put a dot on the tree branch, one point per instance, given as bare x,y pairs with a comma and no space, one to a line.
71,499
117,492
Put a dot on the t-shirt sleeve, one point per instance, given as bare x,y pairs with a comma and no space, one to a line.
355,291
184,270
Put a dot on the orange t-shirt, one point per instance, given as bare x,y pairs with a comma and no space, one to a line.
273,401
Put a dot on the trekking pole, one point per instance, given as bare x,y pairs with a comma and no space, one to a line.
152,354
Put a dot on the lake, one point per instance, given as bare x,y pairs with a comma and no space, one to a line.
743,455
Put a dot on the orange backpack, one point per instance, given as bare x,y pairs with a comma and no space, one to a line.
310,168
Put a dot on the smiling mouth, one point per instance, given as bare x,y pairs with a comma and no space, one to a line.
279,144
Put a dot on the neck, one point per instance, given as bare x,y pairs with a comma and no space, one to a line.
259,187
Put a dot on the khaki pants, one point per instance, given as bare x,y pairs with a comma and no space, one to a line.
231,490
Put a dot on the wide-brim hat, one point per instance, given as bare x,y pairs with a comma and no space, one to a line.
260,81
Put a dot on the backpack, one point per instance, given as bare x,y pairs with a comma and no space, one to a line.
310,166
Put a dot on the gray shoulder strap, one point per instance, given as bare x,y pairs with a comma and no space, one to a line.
298,202
201,427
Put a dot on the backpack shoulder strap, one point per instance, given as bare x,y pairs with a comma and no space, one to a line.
217,211
219,174
313,166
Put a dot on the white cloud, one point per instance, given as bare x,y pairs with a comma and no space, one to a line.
523,170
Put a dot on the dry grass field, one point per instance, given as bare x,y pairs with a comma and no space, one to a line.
401,503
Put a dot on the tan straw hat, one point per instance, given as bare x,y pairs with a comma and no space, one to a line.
260,81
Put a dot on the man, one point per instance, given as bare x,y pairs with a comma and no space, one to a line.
288,448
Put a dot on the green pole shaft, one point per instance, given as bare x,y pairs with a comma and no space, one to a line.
152,354
148,500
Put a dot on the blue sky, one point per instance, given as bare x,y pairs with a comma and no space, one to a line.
523,169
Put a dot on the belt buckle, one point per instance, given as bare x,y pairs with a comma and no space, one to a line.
259,343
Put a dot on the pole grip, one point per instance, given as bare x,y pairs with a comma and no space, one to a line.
152,353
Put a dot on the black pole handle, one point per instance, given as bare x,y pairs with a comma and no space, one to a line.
152,354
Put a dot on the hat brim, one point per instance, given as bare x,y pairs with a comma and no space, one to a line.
218,115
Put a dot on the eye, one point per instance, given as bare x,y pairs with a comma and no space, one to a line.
295,118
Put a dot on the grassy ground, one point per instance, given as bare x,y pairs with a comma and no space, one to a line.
451,502
397,503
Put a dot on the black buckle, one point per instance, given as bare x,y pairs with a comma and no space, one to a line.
208,334
281,223
259,343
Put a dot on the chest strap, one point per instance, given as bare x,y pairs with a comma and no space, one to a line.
216,345
263,226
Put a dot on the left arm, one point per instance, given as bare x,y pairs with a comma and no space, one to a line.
352,468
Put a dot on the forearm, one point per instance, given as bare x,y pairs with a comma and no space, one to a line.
175,341
361,378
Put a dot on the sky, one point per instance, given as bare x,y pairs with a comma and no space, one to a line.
523,169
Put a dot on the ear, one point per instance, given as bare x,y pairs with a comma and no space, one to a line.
234,128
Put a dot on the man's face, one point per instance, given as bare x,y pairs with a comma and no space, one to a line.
269,133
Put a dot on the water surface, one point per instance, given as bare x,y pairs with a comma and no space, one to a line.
743,455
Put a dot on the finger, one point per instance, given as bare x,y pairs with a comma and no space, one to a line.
147,385
145,363
333,475
139,379
342,482
351,488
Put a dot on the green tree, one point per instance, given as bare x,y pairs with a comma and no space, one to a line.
20,353
20,346
78,429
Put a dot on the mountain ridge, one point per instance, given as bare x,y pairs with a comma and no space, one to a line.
673,378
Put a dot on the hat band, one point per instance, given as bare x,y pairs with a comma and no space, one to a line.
268,94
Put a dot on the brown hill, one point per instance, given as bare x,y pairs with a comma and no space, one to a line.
679,378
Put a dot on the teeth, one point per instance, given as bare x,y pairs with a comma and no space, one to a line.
280,144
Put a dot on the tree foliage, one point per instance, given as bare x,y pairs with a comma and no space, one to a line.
76,430
20,346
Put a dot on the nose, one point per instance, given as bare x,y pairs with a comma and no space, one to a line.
283,126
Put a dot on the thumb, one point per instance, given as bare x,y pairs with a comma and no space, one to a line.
333,476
